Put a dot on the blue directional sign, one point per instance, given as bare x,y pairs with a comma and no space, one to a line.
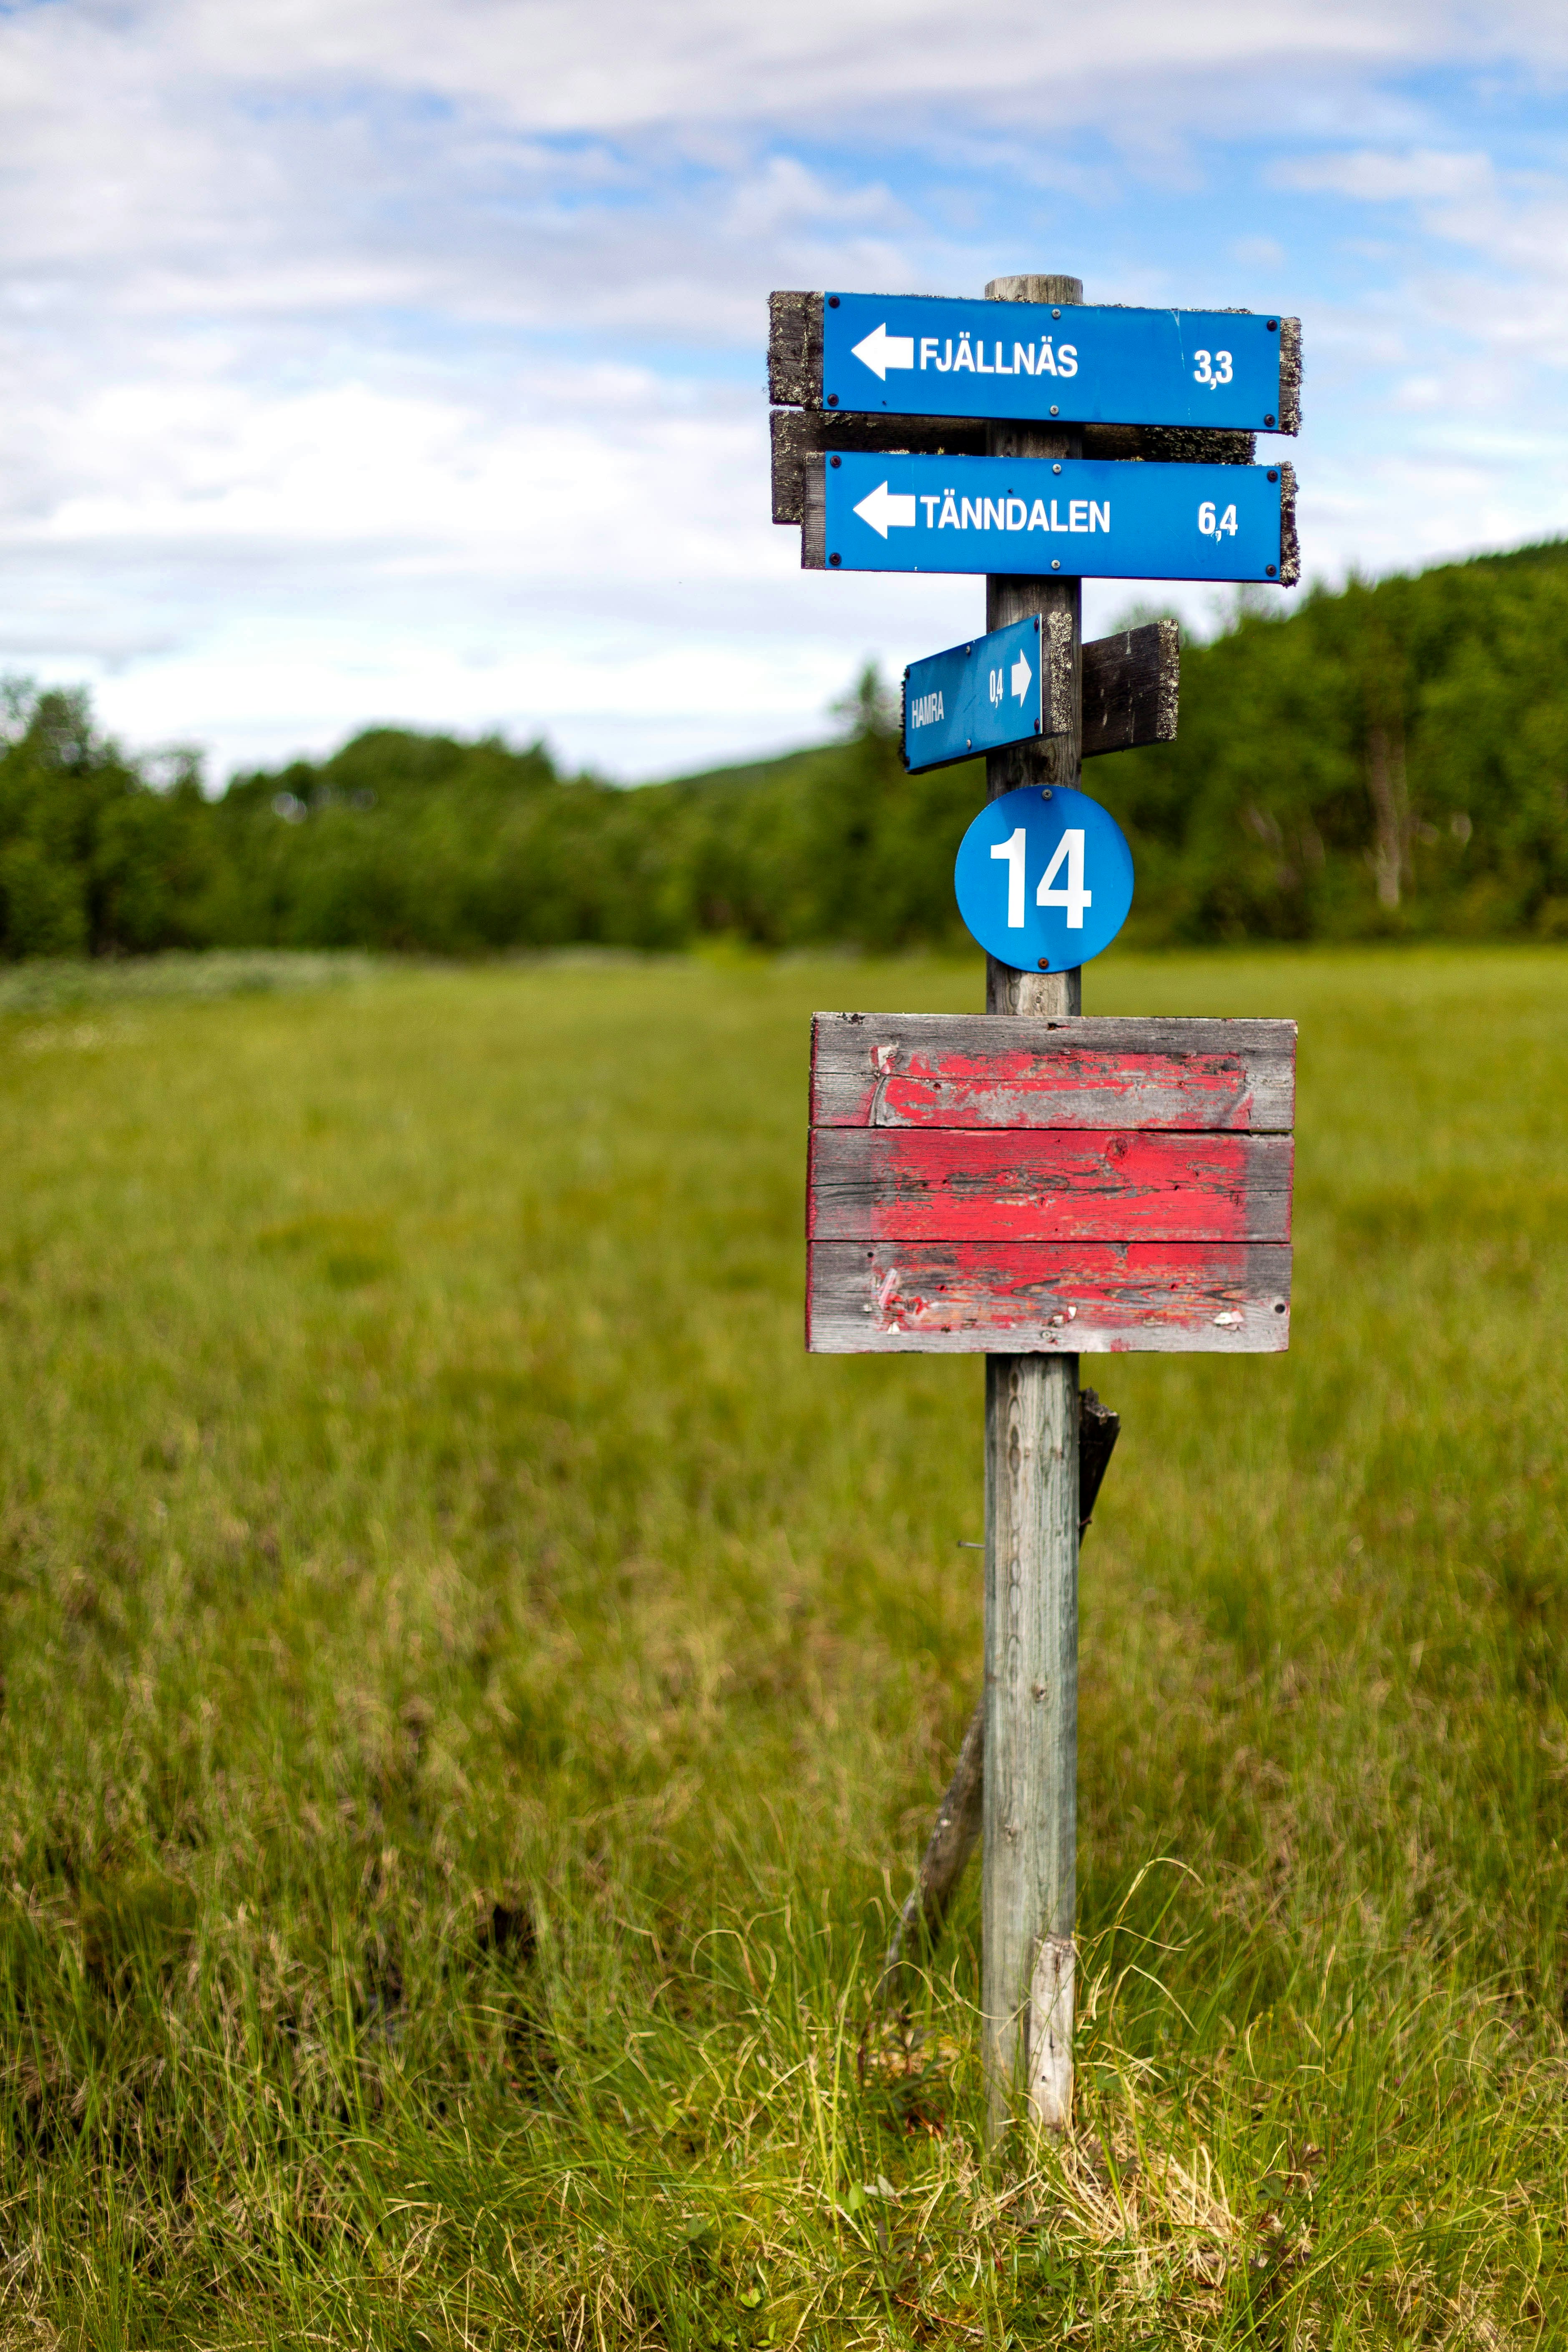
974,698
924,355
1088,516
1044,878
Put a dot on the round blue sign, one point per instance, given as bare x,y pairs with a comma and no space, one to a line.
1044,878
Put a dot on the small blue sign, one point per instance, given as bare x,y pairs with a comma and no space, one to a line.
1091,517
1044,878
974,698
926,355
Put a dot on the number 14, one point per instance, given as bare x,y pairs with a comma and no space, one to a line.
1073,899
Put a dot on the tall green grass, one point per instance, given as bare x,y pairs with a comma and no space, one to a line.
474,1692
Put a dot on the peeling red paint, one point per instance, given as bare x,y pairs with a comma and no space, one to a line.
1047,1185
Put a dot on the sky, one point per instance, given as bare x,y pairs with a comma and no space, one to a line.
403,360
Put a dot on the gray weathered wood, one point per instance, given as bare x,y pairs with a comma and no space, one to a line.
813,522
952,1069
1290,539
956,1831
1044,1299
1029,1888
801,438
1290,375
1130,685
794,349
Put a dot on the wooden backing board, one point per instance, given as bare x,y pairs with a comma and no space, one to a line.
1037,1299
814,522
794,381
1132,687
800,435
1049,1184
955,1069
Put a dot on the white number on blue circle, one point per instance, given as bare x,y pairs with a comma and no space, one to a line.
1074,899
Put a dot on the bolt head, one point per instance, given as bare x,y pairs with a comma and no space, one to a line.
833,400
836,559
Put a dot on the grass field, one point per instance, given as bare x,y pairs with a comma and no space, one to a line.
474,1690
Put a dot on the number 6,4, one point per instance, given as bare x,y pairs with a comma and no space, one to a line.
1072,898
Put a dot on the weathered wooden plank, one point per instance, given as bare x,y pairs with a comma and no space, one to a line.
956,1070
1289,538
1061,1184
799,435
1131,685
794,349
1040,1297
1290,375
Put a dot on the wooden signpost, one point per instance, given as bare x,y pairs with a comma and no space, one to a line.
1051,1186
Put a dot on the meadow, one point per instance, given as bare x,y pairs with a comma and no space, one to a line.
475,1691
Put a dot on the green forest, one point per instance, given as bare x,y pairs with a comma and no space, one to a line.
1391,759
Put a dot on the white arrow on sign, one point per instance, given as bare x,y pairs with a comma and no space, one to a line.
878,351
883,506
1022,673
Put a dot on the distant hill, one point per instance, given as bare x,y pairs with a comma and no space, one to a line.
1391,759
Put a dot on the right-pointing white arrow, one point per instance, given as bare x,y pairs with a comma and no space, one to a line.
878,351
1022,673
883,506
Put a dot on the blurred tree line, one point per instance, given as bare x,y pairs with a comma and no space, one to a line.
1392,759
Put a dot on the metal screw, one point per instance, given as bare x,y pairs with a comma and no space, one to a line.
833,400
1055,469
1271,569
1045,963
1056,412
838,461
833,304
1272,323
1044,792
1056,563
1269,416
836,559
1273,473
1056,314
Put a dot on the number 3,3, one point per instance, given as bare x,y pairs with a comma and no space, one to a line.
1212,368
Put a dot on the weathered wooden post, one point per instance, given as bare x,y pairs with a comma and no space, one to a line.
1029,1859
1037,1185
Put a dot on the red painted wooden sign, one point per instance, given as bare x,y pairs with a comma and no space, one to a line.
1030,1186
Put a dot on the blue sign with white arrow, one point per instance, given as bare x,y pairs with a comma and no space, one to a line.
928,355
1044,878
1087,516
974,698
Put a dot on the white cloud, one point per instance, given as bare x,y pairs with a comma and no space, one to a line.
393,360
